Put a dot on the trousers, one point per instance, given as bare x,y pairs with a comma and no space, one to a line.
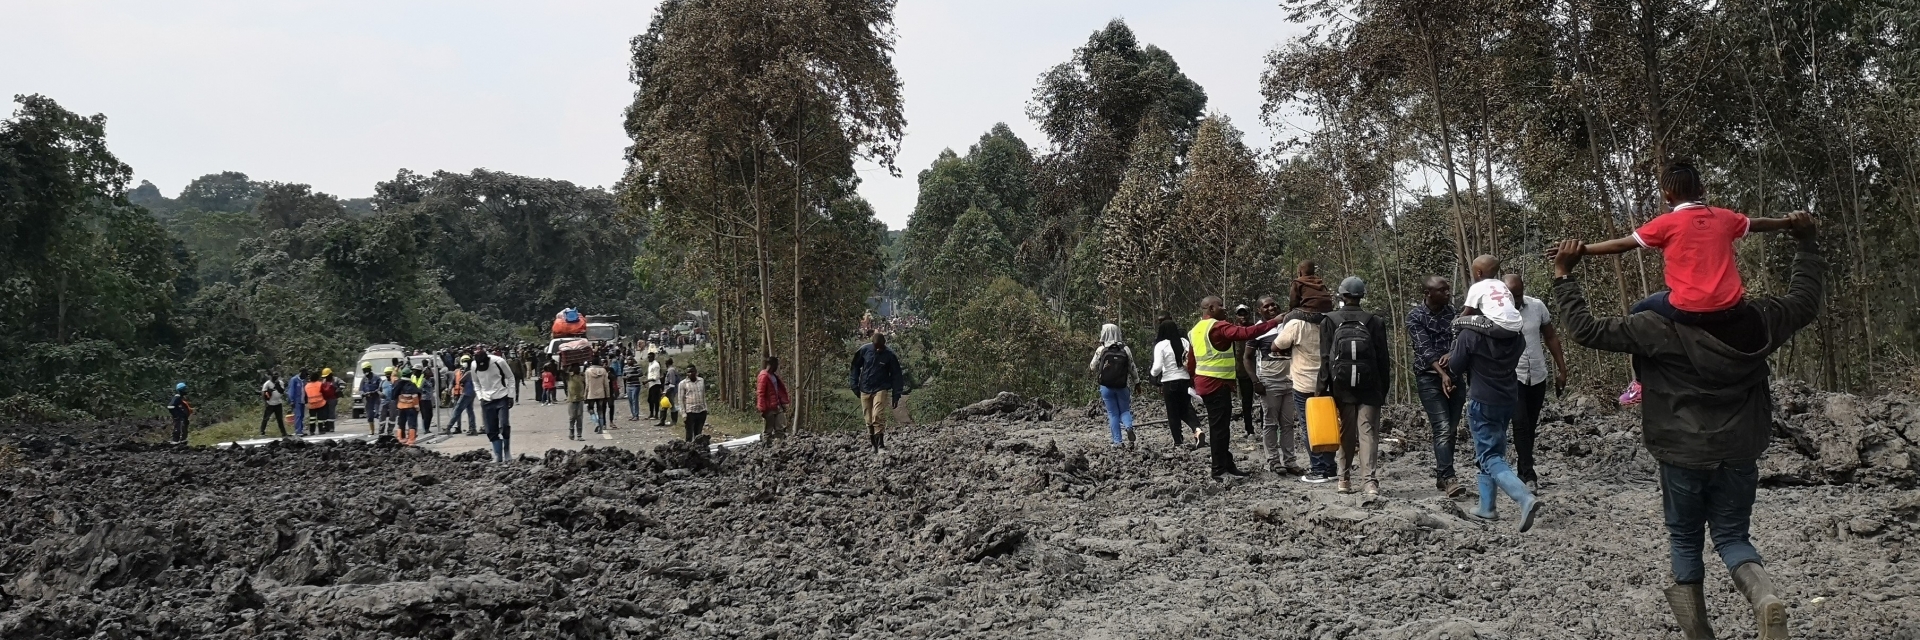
1443,416
1699,500
1219,406
1179,408
1526,425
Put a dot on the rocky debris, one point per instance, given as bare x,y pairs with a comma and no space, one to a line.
986,526
1006,406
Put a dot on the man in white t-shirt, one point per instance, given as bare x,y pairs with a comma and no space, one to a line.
1537,328
1491,297
275,396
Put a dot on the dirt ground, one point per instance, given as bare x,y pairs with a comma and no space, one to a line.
990,527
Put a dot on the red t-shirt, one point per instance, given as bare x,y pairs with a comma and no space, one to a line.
1698,243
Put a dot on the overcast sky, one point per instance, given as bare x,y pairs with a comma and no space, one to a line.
342,94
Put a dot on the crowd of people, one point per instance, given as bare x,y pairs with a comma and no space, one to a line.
1699,352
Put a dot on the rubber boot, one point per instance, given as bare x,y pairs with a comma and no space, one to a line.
1768,610
1485,510
1129,437
1689,604
499,454
880,441
1511,485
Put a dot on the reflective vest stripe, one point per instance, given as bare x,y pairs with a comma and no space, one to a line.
1208,361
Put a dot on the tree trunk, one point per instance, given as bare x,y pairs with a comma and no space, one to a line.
796,367
1446,144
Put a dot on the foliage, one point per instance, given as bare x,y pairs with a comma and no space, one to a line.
111,295
745,132
1004,339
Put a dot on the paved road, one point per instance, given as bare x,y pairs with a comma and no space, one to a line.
537,428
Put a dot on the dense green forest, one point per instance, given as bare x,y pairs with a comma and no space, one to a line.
1417,135
113,293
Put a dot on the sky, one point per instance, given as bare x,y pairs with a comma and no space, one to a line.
345,93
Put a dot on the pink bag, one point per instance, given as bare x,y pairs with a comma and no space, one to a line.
1632,395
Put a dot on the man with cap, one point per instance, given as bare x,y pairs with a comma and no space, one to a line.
180,410
370,397
1357,372
463,398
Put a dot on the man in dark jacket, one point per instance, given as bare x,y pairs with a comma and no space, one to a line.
875,368
1491,354
1707,416
1359,375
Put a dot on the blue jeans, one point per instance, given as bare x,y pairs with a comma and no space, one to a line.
633,401
1695,499
1119,411
1319,463
300,417
1488,424
1443,415
463,405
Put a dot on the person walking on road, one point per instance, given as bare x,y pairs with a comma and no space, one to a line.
1112,364
1491,353
598,382
1244,381
274,395
493,384
771,399
1212,364
463,397
1443,399
633,378
423,379
369,391
669,383
653,386
875,369
1537,330
1176,385
180,410
576,403
693,402
1706,416
1358,373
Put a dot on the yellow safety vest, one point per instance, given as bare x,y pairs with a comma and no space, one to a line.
1208,361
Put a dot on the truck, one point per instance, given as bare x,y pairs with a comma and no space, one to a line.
603,329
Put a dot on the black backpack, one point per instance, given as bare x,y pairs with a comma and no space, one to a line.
1115,367
1351,362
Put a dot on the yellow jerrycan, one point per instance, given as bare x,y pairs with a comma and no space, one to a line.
1323,424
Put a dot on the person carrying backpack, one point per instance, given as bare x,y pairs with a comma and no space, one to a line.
1357,372
1113,364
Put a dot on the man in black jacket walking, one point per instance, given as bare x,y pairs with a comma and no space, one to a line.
1707,417
875,369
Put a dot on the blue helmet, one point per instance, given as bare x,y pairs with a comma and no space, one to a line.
179,387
